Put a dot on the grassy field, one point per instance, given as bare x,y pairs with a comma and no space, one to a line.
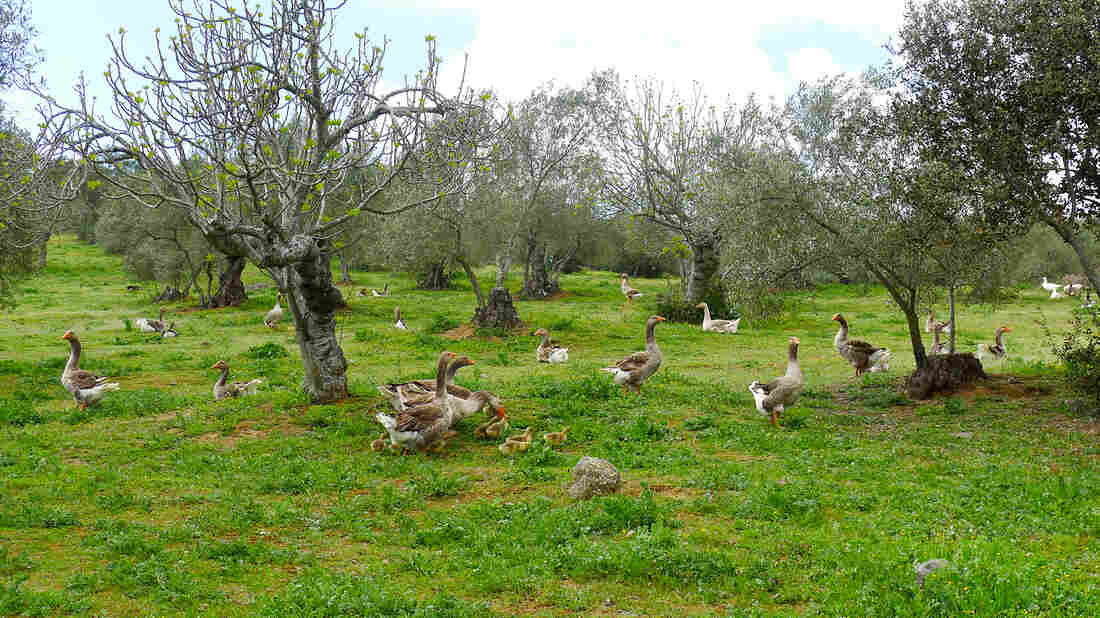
160,501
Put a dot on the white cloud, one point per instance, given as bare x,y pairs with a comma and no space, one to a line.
518,46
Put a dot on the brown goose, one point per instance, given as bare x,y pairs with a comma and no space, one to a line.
548,352
419,427
636,368
772,398
419,392
86,387
629,292
223,389
862,355
997,350
937,346
151,326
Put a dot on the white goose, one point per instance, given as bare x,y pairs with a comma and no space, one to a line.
717,326
549,352
385,291
273,317
399,323
1049,286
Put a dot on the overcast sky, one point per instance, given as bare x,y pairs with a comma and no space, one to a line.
732,48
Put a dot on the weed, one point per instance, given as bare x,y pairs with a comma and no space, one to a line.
267,350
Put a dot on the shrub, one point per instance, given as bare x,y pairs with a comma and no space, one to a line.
267,350
672,306
441,323
1079,350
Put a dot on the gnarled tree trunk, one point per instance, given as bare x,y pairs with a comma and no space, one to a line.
1068,234
704,267
537,282
499,311
313,300
231,290
436,278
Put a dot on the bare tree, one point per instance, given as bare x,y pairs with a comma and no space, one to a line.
664,150
249,120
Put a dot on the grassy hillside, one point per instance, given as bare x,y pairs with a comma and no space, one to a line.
160,501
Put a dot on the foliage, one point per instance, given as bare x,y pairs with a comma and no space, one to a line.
267,350
1079,350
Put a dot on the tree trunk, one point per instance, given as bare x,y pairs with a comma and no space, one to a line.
473,280
704,266
436,278
499,311
313,300
951,318
345,270
42,254
538,283
1067,233
231,290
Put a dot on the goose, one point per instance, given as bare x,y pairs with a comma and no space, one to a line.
273,317
629,292
937,347
862,355
169,331
362,292
147,325
717,326
225,390
1049,286
1073,289
419,427
419,392
556,438
494,428
86,387
385,291
1055,295
931,323
399,323
998,349
548,352
635,369
772,398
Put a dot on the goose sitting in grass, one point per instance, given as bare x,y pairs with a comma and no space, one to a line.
862,355
385,291
629,292
1055,295
635,369
419,427
1050,286
148,325
717,326
86,387
772,398
548,352
399,323
273,317
223,389
494,428
998,350
169,331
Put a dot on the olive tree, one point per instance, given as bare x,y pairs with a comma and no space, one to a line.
248,119
1006,92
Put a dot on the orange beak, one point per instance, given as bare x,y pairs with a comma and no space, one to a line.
660,319
68,335
836,316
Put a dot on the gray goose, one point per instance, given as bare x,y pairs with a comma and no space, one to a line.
223,389
86,387
635,369
998,349
420,427
772,398
629,292
862,355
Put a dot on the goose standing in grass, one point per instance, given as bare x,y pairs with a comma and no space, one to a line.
419,392
930,323
147,325
549,352
1049,285
862,355
937,346
629,292
717,326
223,389
998,349
772,398
273,317
399,323
635,369
86,387
385,291
419,427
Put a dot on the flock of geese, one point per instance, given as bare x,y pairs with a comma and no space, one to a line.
427,410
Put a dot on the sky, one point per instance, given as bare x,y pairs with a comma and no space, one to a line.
730,48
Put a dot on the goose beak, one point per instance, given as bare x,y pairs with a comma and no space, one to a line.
660,319
836,316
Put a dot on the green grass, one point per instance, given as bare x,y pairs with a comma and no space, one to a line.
160,501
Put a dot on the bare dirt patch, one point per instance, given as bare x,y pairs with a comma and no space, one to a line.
250,430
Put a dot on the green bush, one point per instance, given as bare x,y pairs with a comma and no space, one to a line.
672,306
441,323
267,350
1079,350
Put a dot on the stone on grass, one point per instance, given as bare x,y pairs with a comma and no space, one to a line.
927,567
593,477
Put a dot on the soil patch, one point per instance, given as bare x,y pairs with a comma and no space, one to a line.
251,430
